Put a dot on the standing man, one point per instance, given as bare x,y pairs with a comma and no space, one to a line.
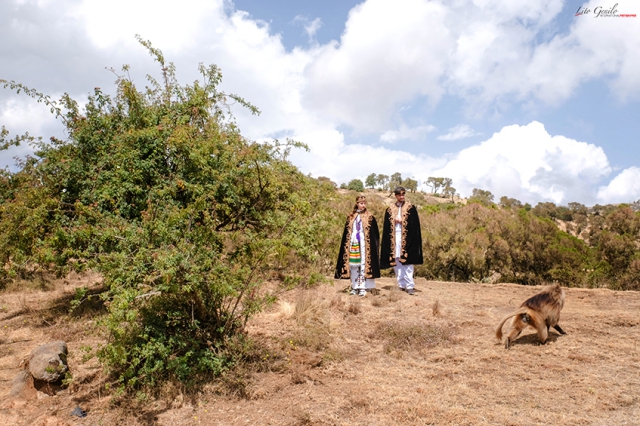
401,241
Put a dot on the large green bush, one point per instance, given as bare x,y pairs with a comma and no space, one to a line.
184,217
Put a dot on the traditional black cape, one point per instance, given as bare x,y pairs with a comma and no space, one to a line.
411,246
372,238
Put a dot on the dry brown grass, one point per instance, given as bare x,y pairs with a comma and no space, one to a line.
337,302
382,366
395,294
436,309
286,309
378,302
315,337
309,307
413,336
355,305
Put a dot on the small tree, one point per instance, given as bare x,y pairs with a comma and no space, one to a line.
546,209
507,202
326,181
435,183
564,213
449,191
482,196
579,208
371,181
394,181
355,185
382,181
410,184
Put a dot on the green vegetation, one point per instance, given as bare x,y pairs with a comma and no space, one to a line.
483,243
184,217
371,181
481,196
355,185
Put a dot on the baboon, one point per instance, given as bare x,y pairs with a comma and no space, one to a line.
540,312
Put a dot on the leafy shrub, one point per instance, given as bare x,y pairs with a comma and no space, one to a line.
475,242
184,217
355,185
482,196
615,239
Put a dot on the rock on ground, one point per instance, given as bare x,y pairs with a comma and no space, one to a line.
49,362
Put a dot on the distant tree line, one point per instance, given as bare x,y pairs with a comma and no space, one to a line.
382,182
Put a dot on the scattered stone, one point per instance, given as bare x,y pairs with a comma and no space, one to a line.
21,384
48,362
79,412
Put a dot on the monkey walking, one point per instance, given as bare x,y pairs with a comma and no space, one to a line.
541,312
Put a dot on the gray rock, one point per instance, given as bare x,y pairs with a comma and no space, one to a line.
20,383
49,362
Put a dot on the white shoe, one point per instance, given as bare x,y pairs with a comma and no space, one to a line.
362,293
353,292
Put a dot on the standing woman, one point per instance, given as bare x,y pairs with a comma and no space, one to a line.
358,259
402,241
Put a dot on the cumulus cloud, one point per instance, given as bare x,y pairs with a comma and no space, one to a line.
487,52
460,131
405,132
624,188
173,25
527,163
390,54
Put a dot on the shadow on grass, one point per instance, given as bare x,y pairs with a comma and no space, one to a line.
90,305
532,339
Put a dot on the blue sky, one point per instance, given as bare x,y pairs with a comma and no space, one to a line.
281,16
592,113
525,100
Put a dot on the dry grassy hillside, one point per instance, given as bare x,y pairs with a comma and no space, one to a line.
331,359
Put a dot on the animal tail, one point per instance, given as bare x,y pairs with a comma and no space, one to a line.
520,311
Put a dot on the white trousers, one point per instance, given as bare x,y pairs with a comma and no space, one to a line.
404,275
368,283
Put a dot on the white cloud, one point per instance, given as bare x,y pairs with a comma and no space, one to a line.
312,27
390,54
527,163
407,133
508,54
171,24
460,131
489,52
624,188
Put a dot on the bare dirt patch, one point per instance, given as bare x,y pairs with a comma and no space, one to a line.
386,359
